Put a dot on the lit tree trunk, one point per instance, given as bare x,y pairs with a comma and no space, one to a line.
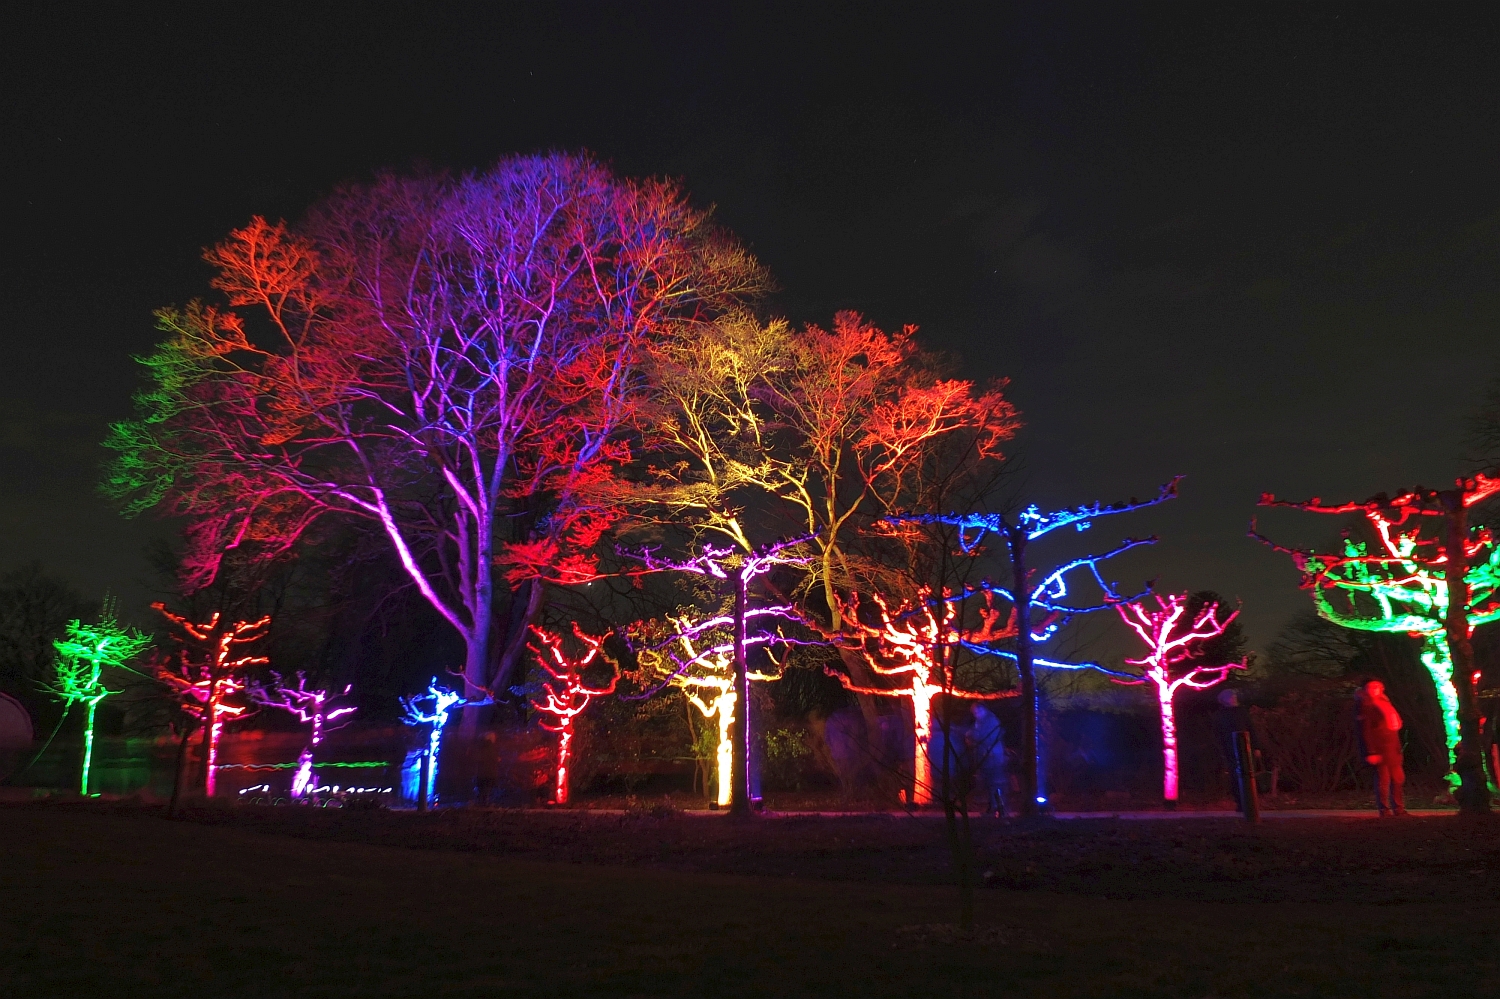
739,801
1031,793
922,693
1474,794
1168,741
564,747
1435,656
210,737
725,705
88,746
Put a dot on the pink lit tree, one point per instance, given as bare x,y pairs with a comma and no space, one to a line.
1176,636
208,676
567,694
913,649
312,707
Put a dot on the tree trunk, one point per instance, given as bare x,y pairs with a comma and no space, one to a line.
210,715
1473,793
923,784
187,733
88,748
1168,746
1032,795
739,802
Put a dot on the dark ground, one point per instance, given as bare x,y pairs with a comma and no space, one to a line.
113,899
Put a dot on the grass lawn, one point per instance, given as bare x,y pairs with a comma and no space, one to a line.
124,903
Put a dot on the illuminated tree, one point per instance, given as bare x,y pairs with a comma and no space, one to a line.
450,359
867,412
567,694
837,427
431,708
914,649
1038,611
1438,587
83,655
312,707
1176,637
712,653
208,677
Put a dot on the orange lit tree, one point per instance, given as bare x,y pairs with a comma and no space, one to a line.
832,429
915,652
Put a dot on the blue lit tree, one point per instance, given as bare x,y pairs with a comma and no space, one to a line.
433,708
1038,610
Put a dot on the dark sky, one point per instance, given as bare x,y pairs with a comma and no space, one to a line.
1257,245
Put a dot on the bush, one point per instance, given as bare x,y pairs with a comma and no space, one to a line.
1309,737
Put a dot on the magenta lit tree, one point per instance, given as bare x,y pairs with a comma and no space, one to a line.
208,675
313,707
1175,636
566,695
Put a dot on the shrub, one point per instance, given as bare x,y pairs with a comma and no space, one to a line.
1309,737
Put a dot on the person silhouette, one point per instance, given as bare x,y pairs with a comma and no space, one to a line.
1380,744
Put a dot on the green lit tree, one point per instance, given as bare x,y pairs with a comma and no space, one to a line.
83,654
1405,583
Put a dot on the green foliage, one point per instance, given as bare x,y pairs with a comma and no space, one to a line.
787,758
144,467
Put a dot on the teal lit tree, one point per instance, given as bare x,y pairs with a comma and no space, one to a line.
1405,582
83,656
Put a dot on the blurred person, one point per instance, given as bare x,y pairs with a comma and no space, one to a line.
1380,744
987,745
1230,717
487,770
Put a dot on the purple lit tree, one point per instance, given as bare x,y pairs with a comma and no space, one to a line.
312,707
451,359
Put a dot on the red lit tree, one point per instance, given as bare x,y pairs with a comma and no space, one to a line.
208,677
1176,636
567,694
914,651
450,359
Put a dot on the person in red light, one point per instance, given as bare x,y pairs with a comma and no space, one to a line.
1380,741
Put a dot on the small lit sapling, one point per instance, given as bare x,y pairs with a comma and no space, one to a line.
83,655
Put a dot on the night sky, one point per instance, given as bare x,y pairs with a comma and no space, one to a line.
1254,245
